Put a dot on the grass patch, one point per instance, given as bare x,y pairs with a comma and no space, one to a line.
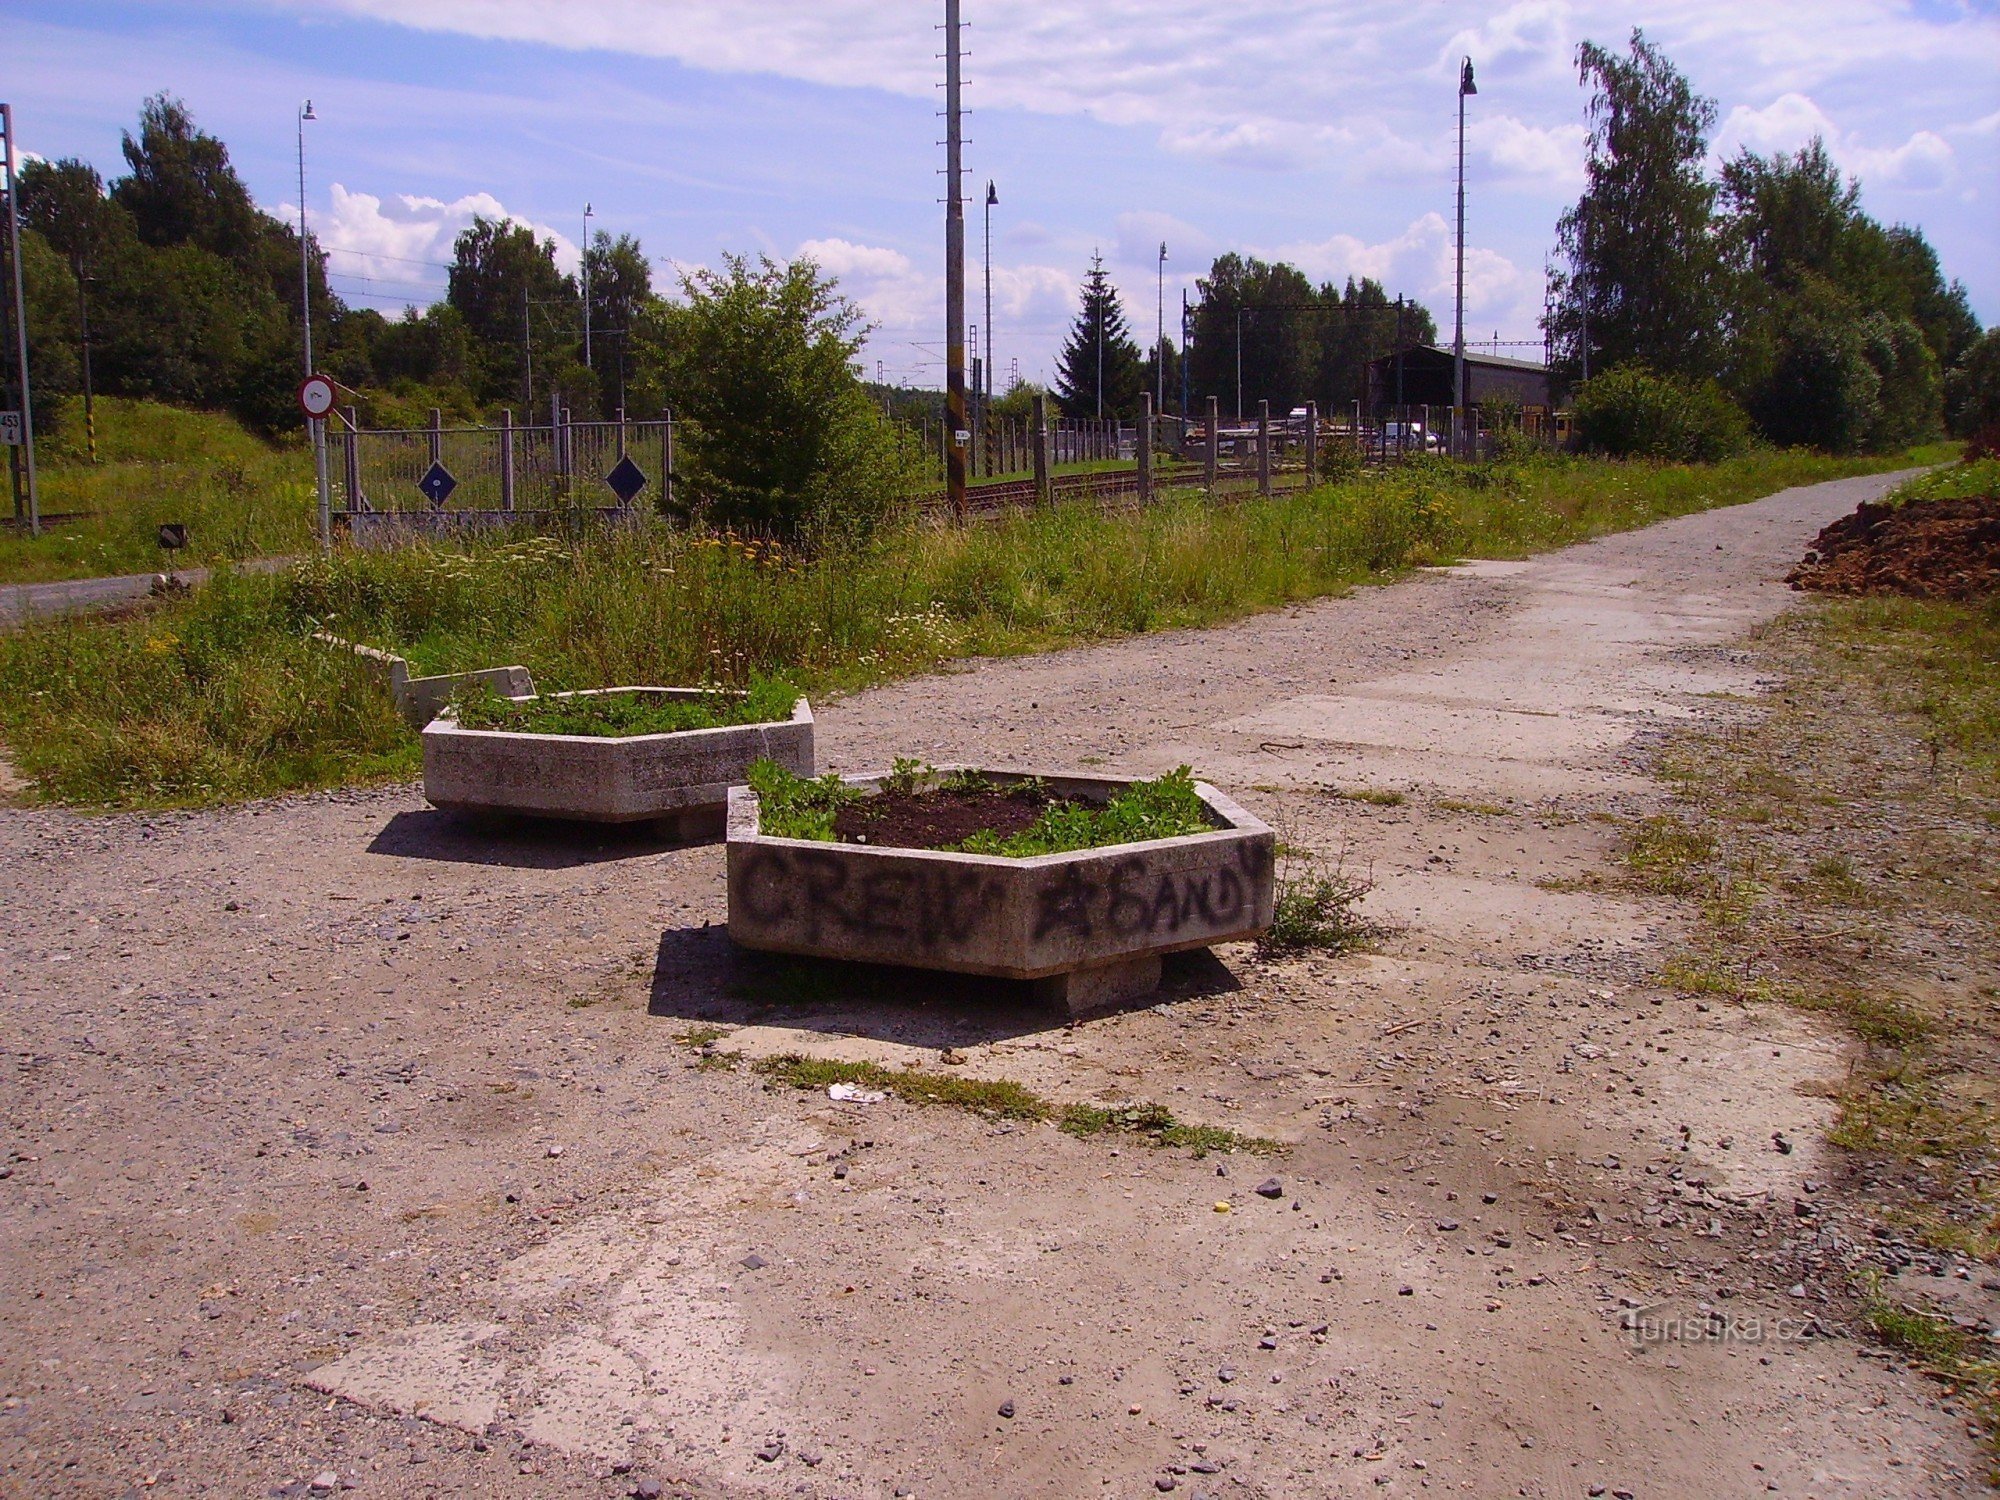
130,713
1003,1099
1947,1353
1669,855
1473,809
999,1099
608,715
1156,1123
238,496
1373,796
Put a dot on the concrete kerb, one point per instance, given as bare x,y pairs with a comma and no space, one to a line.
419,699
1086,928
683,778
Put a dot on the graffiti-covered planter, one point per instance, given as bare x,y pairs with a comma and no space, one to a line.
683,778
1088,926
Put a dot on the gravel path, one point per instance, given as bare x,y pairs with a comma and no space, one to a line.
346,1143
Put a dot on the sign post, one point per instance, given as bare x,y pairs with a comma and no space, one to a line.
316,399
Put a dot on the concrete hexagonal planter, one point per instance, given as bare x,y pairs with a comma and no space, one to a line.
1088,926
682,778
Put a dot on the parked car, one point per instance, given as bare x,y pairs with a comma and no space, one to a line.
1410,437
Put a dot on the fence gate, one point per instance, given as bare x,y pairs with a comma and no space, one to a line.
394,483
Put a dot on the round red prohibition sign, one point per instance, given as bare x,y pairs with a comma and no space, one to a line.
316,396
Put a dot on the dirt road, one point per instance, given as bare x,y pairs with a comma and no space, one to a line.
347,1144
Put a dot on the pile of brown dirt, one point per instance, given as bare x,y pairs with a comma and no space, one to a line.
939,817
1930,549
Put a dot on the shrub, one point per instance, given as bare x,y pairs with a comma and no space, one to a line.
782,438
1972,391
1629,412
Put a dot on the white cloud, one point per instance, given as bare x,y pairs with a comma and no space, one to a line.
1549,158
1923,161
1422,258
383,252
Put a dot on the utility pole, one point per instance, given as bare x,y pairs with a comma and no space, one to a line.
583,270
1185,341
1239,363
1097,314
528,349
954,272
1465,87
1160,338
83,281
21,322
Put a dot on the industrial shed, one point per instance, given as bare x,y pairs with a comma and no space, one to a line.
1426,380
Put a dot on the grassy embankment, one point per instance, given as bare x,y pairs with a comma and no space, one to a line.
237,495
1843,851
222,696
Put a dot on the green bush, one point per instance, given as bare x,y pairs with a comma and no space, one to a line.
1972,392
782,439
1629,412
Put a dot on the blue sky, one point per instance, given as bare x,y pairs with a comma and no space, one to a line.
1320,133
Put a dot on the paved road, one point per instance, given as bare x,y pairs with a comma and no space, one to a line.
21,602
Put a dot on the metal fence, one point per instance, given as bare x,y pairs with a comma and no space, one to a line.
508,468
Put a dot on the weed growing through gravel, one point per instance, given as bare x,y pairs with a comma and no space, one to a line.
1003,1099
1157,1124
1864,889
1318,909
1374,796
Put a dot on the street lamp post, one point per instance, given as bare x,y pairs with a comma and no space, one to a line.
992,197
305,253
1465,87
583,271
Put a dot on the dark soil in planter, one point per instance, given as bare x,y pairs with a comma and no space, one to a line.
939,818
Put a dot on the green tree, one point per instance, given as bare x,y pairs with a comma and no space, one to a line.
1361,324
1641,270
621,284
1827,348
1017,402
181,188
1973,389
1100,371
1250,319
782,437
516,305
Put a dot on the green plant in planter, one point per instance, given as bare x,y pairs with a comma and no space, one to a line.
614,715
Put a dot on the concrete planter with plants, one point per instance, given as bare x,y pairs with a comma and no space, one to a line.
681,778
1087,926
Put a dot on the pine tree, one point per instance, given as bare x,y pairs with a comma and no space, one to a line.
1101,372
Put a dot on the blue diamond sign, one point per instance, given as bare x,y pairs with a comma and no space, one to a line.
626,480
437,484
